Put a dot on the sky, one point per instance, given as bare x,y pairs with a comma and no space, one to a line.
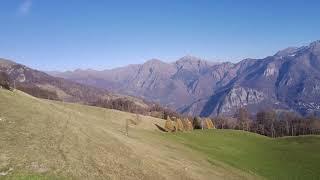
103,34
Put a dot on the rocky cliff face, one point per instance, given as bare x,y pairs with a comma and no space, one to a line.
238,97
290,80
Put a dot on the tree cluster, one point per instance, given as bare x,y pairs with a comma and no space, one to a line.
37,91
175,124
202,123
126,105
271,123
119,104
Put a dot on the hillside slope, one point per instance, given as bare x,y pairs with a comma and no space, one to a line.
42,85
43,138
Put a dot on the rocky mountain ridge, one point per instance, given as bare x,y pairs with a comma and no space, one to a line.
42,85
288,80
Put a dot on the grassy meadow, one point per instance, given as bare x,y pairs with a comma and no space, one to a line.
42,139
280,158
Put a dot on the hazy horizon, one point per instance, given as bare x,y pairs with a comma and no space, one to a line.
146,60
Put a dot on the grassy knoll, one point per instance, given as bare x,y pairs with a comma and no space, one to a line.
282,158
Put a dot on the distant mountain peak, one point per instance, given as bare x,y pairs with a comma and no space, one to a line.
287,51
195,86
292,51
84,70
193,60
78,70
154,61
6,62
189,58
317,42
315,45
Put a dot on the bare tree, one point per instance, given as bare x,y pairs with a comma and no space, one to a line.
127,127
242,116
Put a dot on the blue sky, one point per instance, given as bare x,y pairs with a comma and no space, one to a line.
100,34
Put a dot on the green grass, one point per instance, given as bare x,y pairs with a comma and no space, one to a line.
282,158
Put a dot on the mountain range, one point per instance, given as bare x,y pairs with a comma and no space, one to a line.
288,80
43,85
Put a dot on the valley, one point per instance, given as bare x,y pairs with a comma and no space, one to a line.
287,80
